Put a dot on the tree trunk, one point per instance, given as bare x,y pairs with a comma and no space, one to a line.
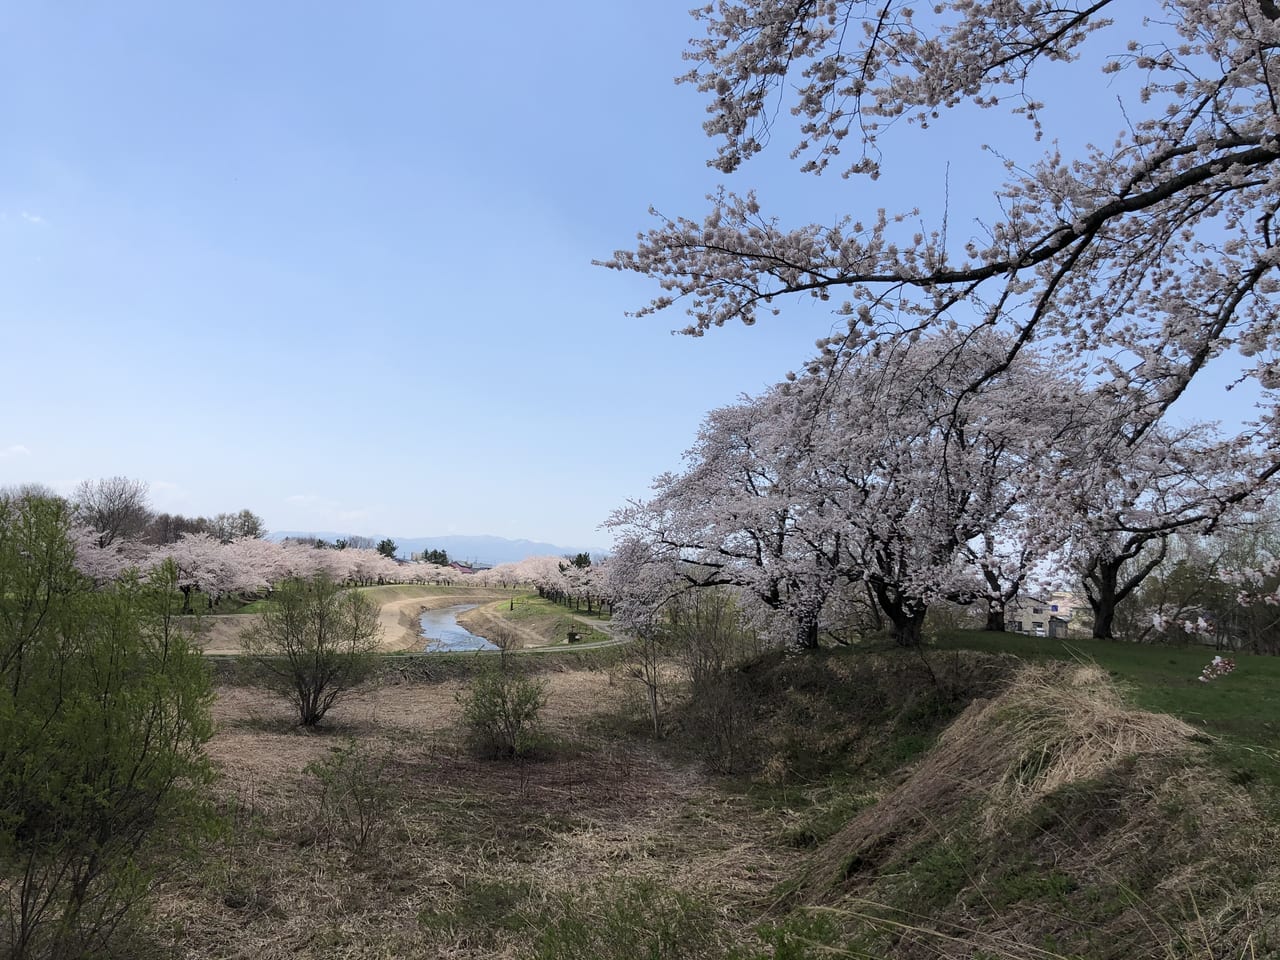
1104,621
908,629
995,617
807,635
652,690
906,615
1103,599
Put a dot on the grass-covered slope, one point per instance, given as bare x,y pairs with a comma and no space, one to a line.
1240,711
977,804
527,621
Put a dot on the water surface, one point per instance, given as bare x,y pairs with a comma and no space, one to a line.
442,632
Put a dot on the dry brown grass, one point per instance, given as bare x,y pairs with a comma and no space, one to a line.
1056,777
473,847
1067,725
1052,776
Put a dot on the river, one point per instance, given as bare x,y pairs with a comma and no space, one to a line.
442,632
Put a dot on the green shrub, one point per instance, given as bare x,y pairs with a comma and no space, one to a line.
104,713
501,710
315,643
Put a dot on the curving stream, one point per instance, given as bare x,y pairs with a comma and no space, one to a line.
442,632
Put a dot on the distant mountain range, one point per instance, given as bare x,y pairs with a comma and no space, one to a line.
486,550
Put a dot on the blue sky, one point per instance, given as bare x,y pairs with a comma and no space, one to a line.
332,262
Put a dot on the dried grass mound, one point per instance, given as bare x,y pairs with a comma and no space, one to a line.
1051,726
1068,726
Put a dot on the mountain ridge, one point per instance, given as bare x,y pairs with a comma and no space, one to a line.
481,548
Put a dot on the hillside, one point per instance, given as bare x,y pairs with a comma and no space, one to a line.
1005,810
846,804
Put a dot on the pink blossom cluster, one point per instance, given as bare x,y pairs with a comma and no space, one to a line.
1217,667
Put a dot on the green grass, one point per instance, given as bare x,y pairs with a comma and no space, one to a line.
1241,710
481,907
228,603
551,620
627,920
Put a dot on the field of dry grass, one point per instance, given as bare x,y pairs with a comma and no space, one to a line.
873,806
471,855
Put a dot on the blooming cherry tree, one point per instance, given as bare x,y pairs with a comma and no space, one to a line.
1125,508
879,471
1151,254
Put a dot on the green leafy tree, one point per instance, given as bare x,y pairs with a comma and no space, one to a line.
104,713
315,643
387,548
438,557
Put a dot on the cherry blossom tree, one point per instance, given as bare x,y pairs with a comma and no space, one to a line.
204,564
1005,561
881,471
744,512
503,575
1151,254
104,564
545,574
1127,507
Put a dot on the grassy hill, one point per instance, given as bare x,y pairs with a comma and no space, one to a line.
974,803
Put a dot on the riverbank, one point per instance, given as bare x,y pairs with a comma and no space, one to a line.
527,622
399,606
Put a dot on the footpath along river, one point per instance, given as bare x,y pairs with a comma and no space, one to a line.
442,632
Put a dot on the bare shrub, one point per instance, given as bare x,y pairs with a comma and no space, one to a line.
501,710
315,643
353,795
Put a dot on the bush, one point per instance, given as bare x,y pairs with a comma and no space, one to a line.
315,643
104,712
501,711
354,796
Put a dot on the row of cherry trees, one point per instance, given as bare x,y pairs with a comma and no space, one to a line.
253,566
244,567
936,469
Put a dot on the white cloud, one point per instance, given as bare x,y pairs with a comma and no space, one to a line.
32,217
327,511
14,450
